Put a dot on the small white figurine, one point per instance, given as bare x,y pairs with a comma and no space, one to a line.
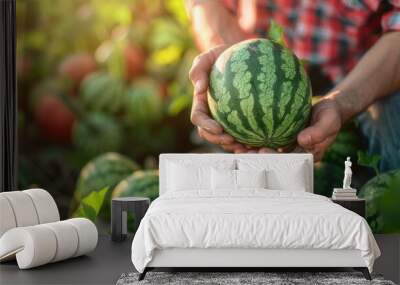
347,174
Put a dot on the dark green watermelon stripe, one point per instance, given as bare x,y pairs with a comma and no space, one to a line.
242,82
296,79
220,106
278,86
258,111
229,122
301,118
266,79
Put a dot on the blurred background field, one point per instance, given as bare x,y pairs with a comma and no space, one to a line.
103,89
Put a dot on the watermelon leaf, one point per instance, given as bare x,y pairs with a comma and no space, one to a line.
90,205
369,160
275,33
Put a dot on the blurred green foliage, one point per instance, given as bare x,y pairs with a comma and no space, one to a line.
96,76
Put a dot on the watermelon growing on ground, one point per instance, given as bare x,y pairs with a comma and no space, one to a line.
260,93
382,195
139,184
97,133
106,170
103,92
143,103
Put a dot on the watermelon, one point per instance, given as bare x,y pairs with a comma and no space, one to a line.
106,170
102,92
139,184
143,103
382,195
260,93
97,133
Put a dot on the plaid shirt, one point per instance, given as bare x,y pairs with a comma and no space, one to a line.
332,34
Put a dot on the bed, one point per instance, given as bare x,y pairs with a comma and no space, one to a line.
247,210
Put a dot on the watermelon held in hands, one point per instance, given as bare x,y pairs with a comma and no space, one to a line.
260,93
140,184
106,170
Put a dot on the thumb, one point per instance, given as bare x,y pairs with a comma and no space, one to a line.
324,127
201,68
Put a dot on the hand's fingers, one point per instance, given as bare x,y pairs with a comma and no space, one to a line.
299,149
233,147
320,149
318,156
326,125
242,150
200,115
216,139
267,150
202,64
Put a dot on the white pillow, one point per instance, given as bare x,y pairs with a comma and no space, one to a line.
189,175
223,179
251,178
287,174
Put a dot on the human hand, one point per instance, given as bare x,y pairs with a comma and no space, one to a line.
325,125
208,128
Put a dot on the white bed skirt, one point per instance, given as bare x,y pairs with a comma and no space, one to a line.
226,257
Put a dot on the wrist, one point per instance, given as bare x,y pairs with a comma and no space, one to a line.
347,103
335,101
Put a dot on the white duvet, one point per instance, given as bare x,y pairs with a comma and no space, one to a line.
250,219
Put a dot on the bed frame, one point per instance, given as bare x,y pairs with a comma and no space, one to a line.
249,259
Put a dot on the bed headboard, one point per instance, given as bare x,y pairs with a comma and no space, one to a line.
164,158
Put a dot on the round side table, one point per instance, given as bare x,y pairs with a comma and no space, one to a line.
119,208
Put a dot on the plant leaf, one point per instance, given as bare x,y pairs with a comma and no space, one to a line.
369,160
275,33
95,199
88,212
90,205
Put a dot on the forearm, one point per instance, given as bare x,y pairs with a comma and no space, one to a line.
213,24
376,75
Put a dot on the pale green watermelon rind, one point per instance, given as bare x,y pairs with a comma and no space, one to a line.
140,184
104,171
250,120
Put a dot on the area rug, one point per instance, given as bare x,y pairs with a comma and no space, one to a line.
243,278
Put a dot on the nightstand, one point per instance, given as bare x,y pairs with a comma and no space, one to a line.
355,205
119,208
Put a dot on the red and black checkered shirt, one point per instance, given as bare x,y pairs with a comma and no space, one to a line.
332,34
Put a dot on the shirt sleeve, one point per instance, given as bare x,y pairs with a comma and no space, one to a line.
391,19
